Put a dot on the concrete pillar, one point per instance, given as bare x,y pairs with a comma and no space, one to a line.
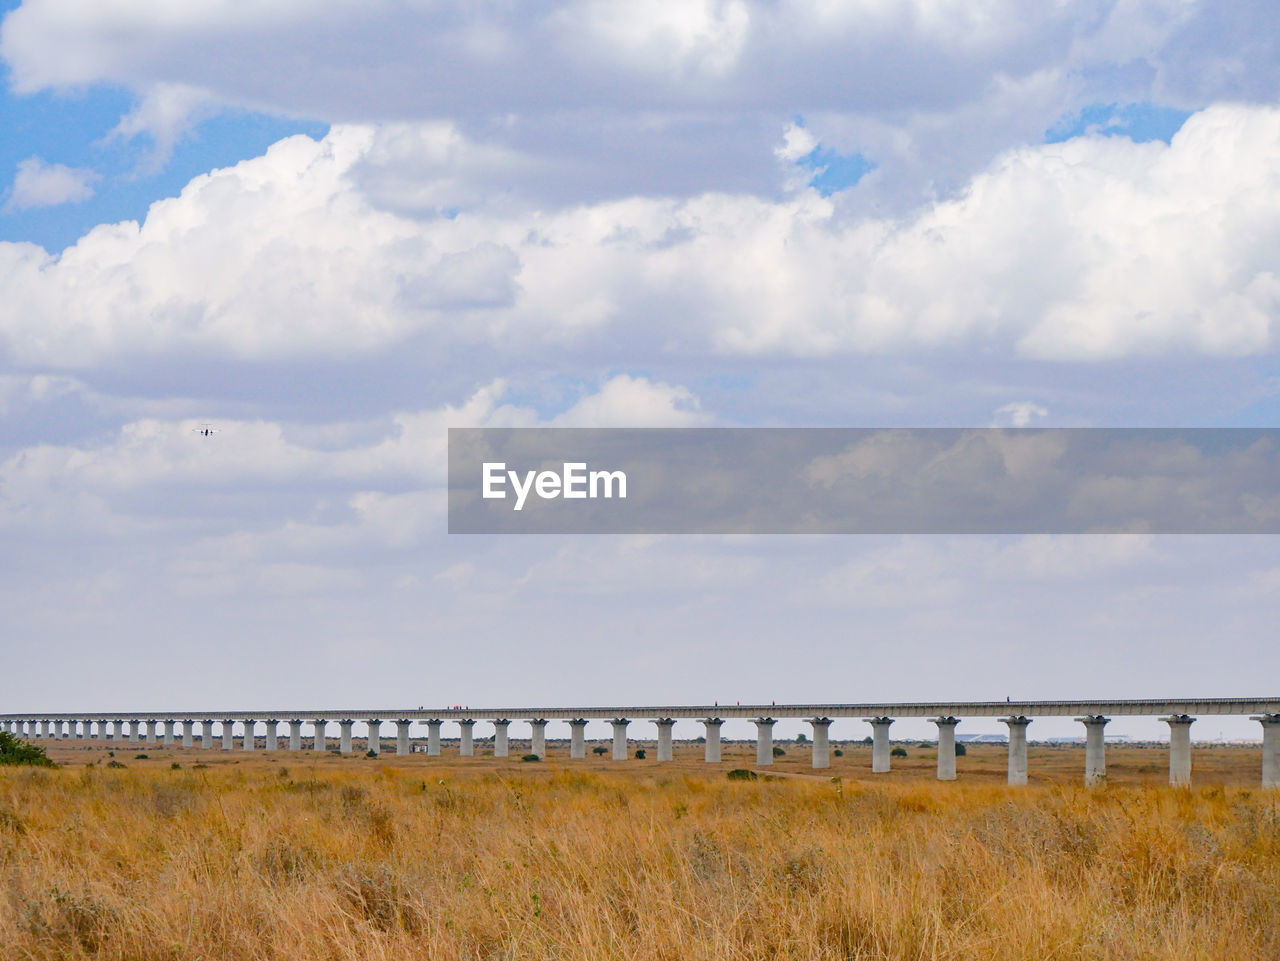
402,737
665,724
466,745
880,758
1017,747
1095,748
118,732
577,738
821,741
619,738
1179,749
344,735
153,733
712,752
538,739
40,729
168,733
249,741
764,740
500,726
135,733
317,739
295,734
946,747
272,741
188,733
228,734
374,741
433,737
1270,750
206,734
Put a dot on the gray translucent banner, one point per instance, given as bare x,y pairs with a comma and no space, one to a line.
863,481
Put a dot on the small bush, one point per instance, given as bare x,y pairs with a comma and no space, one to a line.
599,750
742,774
175,766
114,764
640,754
16,751
778,752
530,758
961,750
839,753
370,753
898,752
141,757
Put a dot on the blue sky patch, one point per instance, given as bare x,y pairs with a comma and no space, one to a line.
833,171
1140,122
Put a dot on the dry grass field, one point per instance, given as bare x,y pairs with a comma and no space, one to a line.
231,856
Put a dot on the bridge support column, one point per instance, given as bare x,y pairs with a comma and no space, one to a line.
577,738
764,740
665,724
946,747
1270,750
188,733
318,744
712,752
272,740
1017,747
153,732
344,735
619,738
168,733
1095,748
500,726
880,759
295,734
118,732
466,741
821,742
228,734
538,737
206,734
1179,749
402,737
135,731
433,737
374,741
249,741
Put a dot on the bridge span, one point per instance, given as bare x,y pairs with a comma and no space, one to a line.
171,727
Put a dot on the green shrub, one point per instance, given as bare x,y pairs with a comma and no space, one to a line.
14,750
898,752
599,750
175,766
640,754
531,758
141,757
961,750
839,753
114,764
742,774
778,752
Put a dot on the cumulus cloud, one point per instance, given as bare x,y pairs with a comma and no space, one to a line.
929,91
1093,248
40,184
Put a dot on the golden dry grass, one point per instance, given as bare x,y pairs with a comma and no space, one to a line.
299,857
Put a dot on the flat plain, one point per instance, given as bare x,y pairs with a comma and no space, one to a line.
223,856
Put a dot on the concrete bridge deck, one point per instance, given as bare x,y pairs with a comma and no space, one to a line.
1179,714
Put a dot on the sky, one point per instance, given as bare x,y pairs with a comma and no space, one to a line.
335,230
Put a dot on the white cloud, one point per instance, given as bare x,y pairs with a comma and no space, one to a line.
166,114
38,184
1094,248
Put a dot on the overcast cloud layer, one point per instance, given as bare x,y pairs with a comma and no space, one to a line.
587,214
